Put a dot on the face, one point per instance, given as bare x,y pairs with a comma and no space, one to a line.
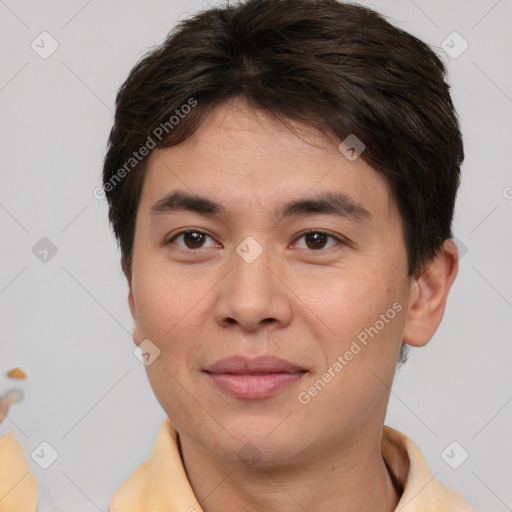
249,276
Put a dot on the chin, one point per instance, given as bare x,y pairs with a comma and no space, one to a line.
263,440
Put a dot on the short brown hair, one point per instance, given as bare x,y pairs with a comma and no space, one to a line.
339,67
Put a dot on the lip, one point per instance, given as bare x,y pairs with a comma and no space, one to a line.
253,378
242,365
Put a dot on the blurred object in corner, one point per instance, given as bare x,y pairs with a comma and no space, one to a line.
16,373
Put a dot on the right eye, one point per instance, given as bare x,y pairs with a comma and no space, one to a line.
191,237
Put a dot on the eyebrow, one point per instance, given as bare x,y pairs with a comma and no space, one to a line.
330,203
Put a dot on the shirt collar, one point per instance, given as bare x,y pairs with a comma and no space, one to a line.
161,484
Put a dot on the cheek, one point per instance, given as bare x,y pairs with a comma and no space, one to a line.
361,321
360,358
164,300
172,311
346,303
166,306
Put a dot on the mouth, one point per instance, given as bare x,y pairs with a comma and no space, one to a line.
254,378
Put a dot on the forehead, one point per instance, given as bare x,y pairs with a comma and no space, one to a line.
245,158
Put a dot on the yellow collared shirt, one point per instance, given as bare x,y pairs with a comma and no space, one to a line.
160,483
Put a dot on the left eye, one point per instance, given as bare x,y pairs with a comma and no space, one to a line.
317,239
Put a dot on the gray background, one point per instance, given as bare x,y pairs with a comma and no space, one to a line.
66,321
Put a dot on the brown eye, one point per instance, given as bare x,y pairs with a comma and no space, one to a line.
316,240
192,239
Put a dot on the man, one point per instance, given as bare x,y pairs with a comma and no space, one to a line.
281,178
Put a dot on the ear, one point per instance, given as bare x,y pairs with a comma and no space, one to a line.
135,333
428,296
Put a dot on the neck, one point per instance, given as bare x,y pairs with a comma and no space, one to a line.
351,477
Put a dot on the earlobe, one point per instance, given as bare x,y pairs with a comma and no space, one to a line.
135,332
428,296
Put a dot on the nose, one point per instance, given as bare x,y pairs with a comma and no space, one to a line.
254,294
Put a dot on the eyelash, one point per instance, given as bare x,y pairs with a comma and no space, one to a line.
340,240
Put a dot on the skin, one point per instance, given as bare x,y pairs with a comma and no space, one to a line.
295,301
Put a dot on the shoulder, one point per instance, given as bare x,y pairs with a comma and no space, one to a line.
18,486
421,491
